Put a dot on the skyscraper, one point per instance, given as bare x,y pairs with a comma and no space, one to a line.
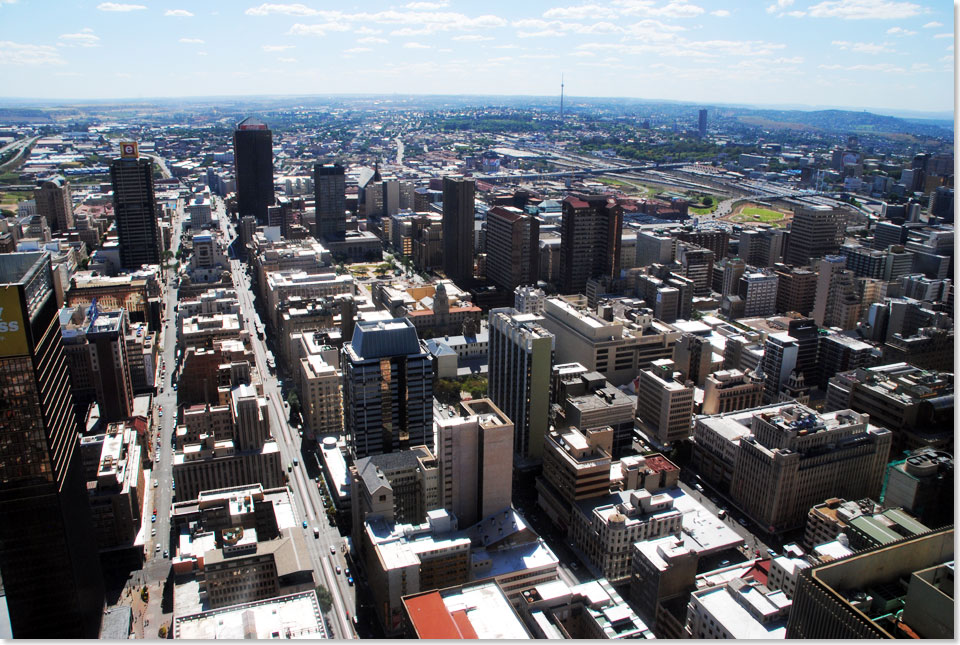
330,190
458,204
702,124
253,160
54,204
521,358
513,247
815,231
134,208
48,552
387,388
589,240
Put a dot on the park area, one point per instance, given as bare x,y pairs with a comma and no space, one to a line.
750,212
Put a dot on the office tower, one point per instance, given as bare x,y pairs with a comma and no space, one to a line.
759,294
838,298
796,289
717,240
520,361
922,485
475,459
693,357
589,240
841,599
785,467
458,206
134,208
653,248
815,231
513,247
697,263
387,388
95,347
702,124
664,406
54,204
48,552
253,162
731,390
807,334
761,247
779,359
941,203
330,191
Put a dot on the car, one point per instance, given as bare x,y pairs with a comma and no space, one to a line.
317,479
153,532
338,570
354,621
772,553
304,523
333,549
165,553
722,514
161,408
174,387
155,482
346,571
698,487
742,521
153,519
161,413
158,547
350,580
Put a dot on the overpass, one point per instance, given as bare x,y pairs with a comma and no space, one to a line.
577,173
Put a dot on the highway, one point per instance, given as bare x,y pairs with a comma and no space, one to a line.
20,146
326,550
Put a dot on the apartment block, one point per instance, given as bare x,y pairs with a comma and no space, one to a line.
590,243
664,406
731,390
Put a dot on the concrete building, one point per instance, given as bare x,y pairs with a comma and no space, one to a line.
586,400
135,209
738,609
664,571
664,406
458,218
529,300
54,204
475,459
654,248
853,597
590,240
331,202
838,301
387,388
794,458
796,289
761,247
513,248
521,357
815,231
321,403
200,211
475,611
576,466
780,353
295,615
693,358
922,484
697,263
838,353
616,348
825,521
759,293
253,165
731,390
114,473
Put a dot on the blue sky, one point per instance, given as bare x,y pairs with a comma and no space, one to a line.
894,54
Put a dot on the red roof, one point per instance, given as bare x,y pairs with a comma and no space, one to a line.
576,203
659,463
431,619
759,571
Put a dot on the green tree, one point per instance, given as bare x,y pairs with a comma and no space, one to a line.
324,598
707,201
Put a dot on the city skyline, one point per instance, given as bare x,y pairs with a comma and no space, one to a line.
784,52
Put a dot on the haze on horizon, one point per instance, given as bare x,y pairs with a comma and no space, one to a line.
882,55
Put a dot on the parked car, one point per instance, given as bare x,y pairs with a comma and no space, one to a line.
304,523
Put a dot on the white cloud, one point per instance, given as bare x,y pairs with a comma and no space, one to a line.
357,50
12,53
863,48
84,38
3,2
276,48
779,5
865,9
931,25
367,30
900,31
944,36
876,67
582,12
113,6
316,30
192,41
473,38
287,60
286,9
372,40
178,13
201,54
413,45
427,6
720,13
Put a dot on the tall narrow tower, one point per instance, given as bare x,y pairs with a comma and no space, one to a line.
561,97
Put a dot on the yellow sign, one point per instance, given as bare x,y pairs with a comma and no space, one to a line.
13,336
128,150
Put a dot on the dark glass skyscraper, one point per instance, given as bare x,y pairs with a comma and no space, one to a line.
48,551
330,189
135,208
458,205
253,161
590,234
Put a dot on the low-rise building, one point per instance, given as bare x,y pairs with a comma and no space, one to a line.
731,390
738,609
664,406
591,610
471,611
296,615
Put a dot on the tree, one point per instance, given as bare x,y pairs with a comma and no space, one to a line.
162,632
324,598
708,201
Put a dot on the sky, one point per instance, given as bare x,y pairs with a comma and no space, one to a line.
892,54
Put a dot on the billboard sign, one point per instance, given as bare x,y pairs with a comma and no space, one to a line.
13,334
128,150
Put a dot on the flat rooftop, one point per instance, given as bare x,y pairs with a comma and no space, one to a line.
294,616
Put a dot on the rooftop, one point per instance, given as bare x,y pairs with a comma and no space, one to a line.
294,616
478,611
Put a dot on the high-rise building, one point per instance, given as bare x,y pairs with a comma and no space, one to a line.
815,231
838,300
48,551
458,206
697,263
475,459
520,363
761,247
702,124
796,289
330,188
387,388
664,406
731,390
134,208
779,359
513,247
759,293
590,234
54,204
253,161
807,335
